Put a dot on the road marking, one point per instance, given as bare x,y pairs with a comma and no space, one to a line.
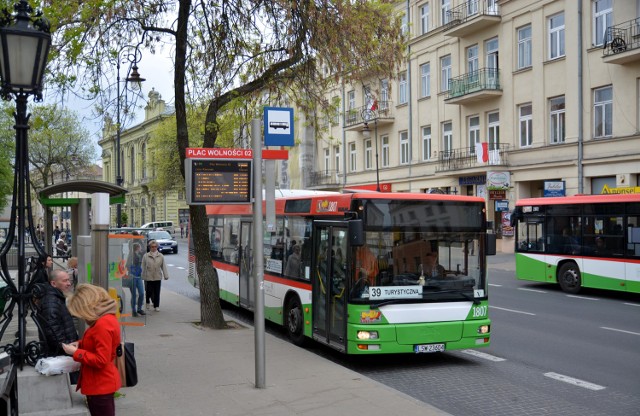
620,330
575,381
532,290
581,297
632,304
513,310
483,355
493,284
180,268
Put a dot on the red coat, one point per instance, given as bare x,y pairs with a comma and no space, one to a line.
96,354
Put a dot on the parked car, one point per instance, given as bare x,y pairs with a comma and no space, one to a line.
166,243
165,225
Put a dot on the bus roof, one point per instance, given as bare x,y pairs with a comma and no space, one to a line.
333,203
580,199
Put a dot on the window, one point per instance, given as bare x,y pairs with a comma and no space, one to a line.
368,154
132,155
424,18
352,157
143,159
327,159
557,114
405,24
426,143
385,151
351,105
402,88
447,140
472,59
335,114
404,148
474,133
445,71
336,152
444,11
383,105
602,19
491,49
425,80
526,123
603,112
556,36
524,47
493,130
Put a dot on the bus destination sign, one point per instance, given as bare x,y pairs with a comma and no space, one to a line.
225,181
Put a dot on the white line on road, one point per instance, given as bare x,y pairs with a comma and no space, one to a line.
581,297
483,355
575,381
493,284
532,290
180,268
620,330
514,311
632,304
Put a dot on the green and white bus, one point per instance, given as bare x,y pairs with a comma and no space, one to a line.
579,241
363,272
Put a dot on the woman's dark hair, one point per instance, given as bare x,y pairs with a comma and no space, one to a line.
42,261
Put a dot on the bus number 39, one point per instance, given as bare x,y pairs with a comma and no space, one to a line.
479,311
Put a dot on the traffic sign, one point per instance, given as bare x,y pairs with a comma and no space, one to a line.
278,126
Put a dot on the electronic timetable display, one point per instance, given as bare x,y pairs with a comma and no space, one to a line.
227,181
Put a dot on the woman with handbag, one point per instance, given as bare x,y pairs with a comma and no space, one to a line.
96,351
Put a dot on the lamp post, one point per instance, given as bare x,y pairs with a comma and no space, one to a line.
367,115
136,80
24,48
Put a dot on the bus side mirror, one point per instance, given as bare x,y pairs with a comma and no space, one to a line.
356,233
490,247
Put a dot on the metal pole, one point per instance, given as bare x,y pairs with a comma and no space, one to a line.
21,127
118,167
258,258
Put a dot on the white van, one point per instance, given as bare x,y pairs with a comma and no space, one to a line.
165,225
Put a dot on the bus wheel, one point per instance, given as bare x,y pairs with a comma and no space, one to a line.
569,278
294,321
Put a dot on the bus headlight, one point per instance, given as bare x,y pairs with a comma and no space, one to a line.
363,335
483,329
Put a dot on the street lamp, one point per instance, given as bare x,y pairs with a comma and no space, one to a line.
136,80
24,48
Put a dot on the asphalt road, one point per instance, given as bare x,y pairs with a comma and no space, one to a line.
550,353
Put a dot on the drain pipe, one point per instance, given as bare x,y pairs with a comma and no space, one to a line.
580,104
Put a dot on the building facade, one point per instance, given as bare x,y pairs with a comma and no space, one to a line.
142,205
503,99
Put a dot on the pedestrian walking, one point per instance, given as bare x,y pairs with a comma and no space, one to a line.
181,230
96,351
154,269
134,266
56,234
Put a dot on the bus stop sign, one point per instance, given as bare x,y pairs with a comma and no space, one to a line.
278,126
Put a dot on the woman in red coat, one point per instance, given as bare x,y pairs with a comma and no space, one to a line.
96,351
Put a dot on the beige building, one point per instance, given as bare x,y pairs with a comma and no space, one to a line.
504,99
142,205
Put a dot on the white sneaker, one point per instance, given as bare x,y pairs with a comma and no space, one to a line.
156,309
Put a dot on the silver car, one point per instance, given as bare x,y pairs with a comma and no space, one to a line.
166,243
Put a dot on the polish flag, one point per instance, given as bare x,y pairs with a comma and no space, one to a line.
374,106
482,152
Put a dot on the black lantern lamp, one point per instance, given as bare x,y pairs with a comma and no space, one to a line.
24,48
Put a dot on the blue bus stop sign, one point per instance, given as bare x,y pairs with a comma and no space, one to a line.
278,126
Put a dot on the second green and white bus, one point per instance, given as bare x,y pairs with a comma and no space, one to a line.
590,241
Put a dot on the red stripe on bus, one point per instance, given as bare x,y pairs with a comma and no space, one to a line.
268,277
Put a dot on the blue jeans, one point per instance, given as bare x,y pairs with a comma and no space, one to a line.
139,287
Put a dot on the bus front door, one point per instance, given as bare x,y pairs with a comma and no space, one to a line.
329,297
246,289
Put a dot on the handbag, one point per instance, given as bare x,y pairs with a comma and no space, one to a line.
126,364
127,281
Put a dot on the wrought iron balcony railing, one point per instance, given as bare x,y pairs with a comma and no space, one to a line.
355,116
467,157
476,81
622,38
471,9
324,178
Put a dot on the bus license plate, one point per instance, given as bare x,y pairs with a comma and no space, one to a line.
428,348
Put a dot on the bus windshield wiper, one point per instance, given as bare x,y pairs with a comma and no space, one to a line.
463,294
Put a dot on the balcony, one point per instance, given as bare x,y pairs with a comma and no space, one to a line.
471,17
474,86
355,118
623,44
323,179
467,158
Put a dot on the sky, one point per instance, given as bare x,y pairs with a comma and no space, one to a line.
157,69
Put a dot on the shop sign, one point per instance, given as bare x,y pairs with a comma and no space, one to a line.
621,190
502,205
498,180
497,194
554,188
472,180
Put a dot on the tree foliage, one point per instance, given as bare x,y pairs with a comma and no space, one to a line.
266,51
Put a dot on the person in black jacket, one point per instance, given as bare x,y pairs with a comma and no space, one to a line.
57,323
43,265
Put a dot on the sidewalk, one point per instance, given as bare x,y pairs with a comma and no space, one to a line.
184,370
